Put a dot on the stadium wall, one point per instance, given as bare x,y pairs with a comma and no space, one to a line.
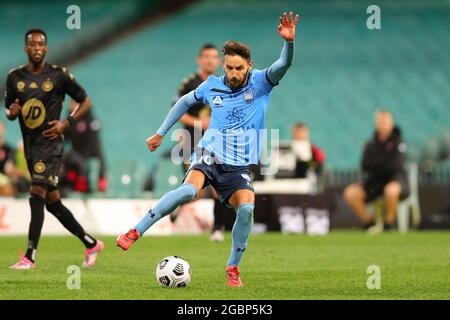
107,217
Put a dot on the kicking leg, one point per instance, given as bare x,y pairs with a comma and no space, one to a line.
169,202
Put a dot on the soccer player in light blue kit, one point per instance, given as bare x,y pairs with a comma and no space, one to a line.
231,143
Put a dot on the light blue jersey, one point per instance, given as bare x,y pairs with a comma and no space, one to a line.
237,116
235,133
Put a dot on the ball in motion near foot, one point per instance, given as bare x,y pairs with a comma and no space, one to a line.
173,272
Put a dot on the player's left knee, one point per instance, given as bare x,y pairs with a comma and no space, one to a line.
245,212
392,189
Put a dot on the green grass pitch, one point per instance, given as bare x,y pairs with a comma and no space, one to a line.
275,266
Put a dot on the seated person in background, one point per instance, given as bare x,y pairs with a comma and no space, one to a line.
308,156
383,172
85,140
17,169
6,157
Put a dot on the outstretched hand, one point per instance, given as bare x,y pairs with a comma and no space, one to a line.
154,142
286,28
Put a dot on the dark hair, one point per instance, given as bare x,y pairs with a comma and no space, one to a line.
35,30
300,125
206,46
235,48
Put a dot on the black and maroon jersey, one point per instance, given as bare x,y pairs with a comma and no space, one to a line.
41,97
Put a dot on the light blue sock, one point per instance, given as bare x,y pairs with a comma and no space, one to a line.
241,231
169,202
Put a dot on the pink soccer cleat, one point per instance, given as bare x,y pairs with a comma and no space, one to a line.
23,264
126,240
92,253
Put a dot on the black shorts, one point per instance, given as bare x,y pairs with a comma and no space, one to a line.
226,179
45,171
374,188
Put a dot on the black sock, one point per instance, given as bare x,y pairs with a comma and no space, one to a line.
37,204
68,221
219,223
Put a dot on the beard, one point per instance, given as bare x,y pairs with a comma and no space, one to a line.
236,83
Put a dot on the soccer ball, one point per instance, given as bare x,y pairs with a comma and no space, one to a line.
173,272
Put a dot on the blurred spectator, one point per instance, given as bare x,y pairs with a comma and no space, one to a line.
6,157
18,170
308,155
14,175
383,172
84,138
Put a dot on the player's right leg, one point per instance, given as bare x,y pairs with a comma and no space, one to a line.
243,201
169,202
65,216
38,193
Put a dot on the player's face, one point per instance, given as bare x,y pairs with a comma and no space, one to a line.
208,61
36,47
236,70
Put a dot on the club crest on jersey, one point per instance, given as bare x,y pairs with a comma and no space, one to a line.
217,101
248,96
47,85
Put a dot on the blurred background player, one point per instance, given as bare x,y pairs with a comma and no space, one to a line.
383,172
195,122
85,142
239,101
34,94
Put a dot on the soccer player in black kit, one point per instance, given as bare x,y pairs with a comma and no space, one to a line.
35,94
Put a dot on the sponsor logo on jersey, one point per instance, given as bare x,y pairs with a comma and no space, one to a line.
33,113
236,116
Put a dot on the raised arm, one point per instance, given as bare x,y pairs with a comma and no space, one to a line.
286,29
177,111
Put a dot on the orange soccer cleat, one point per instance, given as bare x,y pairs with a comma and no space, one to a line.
233,278
126,240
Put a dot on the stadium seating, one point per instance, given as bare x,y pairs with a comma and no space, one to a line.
332,86
343,72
